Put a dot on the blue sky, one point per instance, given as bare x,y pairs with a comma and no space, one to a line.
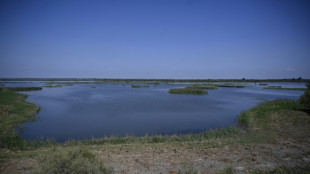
155,38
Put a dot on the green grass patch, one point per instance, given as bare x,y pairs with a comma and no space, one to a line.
14,110
187,91
140,86
20,89
260,114
263,84
228,170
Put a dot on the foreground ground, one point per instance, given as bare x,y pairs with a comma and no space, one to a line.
276,138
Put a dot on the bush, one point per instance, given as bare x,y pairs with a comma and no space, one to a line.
71,161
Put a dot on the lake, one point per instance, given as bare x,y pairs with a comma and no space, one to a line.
84,111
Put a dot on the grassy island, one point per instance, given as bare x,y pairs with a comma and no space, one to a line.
187,91
140,86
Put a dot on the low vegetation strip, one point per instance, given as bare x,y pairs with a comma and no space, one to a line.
140,86
21,89
231,86
187,91
201,87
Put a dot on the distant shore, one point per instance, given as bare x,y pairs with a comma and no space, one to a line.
156,80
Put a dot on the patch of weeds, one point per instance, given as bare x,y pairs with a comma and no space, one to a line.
228,170
190,170
71,160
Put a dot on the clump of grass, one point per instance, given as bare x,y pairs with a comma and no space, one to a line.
140,86
187,91
263,84
228,170
21,89
190,170
71,160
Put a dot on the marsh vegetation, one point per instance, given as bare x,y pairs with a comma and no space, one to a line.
187,91
20,89
140,86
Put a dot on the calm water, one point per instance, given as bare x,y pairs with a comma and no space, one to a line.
81,112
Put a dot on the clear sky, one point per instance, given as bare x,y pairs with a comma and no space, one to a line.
155,38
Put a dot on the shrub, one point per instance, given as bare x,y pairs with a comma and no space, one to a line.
71,161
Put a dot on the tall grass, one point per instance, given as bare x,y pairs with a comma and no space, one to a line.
211,134
13,140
